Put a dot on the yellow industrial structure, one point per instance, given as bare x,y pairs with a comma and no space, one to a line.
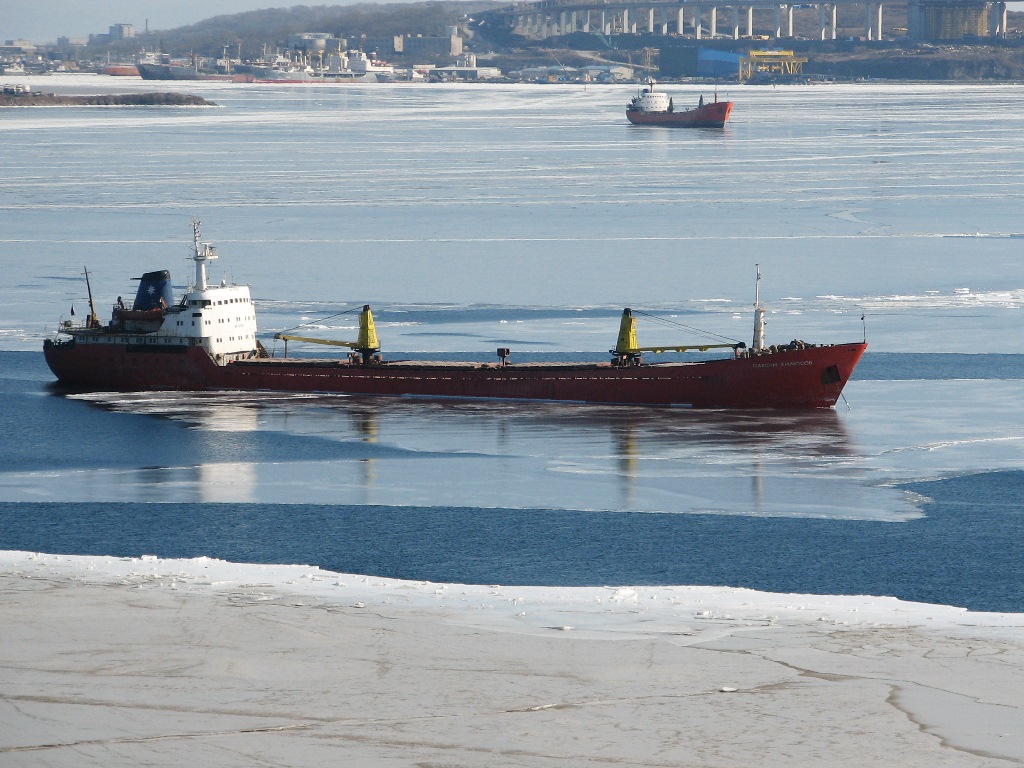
770,64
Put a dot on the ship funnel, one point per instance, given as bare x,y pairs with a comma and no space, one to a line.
154,288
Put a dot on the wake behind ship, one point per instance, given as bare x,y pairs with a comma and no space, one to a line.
207,340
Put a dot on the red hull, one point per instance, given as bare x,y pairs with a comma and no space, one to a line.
121,70
805,378
713,115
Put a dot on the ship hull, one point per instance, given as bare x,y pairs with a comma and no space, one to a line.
120,70
812,377
315,80
178,72
277,76
713,115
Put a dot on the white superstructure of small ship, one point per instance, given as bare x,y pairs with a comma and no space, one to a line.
650,100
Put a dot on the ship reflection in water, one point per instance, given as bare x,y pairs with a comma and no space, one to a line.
279,448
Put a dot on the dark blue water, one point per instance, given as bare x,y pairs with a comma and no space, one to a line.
966,550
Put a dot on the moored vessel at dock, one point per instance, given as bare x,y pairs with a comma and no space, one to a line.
163,67
339,67
651,107
207,340
120,70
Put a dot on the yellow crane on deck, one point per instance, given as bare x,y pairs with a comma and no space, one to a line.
366,345
627,352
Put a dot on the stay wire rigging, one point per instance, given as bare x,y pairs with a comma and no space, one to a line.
323,319
676,324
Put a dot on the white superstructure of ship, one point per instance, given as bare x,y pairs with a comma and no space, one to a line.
336,67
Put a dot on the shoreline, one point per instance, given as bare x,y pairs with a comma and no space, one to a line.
128,660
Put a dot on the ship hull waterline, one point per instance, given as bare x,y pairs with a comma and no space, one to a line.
812,377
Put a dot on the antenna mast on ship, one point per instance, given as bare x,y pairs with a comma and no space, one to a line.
758,343
204,252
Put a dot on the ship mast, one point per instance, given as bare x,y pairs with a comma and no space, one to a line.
202,254
759,322
92,321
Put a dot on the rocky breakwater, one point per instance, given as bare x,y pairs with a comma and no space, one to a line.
11,97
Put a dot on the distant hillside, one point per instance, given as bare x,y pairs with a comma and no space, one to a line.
250,34
924,62
271,26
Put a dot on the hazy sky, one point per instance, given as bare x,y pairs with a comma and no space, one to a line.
45,20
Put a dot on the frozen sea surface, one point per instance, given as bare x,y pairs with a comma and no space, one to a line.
476,217
883,498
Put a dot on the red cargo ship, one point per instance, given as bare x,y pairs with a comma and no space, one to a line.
207,341
650,107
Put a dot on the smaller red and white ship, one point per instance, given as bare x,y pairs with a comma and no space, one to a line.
651,107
